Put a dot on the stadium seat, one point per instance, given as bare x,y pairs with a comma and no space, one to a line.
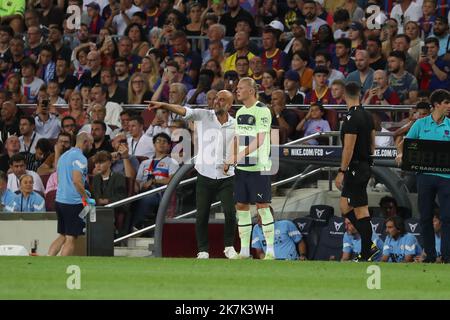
330,242
305,226
321,214
332,117
378,226
148,117
375,212
44,178
413,226
404,212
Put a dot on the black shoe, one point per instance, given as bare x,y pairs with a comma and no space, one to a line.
374,251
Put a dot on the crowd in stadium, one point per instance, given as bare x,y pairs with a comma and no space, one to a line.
58,78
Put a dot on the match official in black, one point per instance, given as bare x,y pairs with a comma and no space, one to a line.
358,141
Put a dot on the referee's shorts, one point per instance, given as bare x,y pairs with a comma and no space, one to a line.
355,184
69,221
252,187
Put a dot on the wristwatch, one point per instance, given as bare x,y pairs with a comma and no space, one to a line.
341,170
277,115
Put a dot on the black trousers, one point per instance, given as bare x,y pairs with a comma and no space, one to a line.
207,190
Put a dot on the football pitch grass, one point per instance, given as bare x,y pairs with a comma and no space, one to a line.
217,279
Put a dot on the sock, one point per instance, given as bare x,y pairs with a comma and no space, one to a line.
268,229
351,216
245,231
365,231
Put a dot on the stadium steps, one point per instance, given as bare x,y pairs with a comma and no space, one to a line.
136,247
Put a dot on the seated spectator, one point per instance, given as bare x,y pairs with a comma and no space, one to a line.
402,44
437,226
399,246
210,97
351,243
102,141
125,116
150,70
292,88
12,147
138,91
256,69
433,70
218,81
323,59
153,173
343,62
63,143
337,92
321,93
299,63
97,22
69,125
76,109
429,16
47,125
115,93
381,93
376,59
268,85
91,76
122,161
169,77
198,95
43,149
231,80
313,122
18,168
388,206
30,83
288,242
363,75
421,110
412,30
98,113
403,82
26,200
113,109
284,119
6,195
139,144
28,137
381,141
46,63
54,94
9,120
13,85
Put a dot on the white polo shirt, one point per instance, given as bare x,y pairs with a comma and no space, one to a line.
213,142
142,147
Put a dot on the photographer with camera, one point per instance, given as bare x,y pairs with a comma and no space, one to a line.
432,70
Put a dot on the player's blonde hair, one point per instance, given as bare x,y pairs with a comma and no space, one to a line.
252,83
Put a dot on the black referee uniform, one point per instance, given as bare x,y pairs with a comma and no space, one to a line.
359,122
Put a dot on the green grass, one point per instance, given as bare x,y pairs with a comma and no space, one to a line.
152,278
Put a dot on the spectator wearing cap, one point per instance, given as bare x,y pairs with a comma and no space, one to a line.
405,11
50,14
30,83
356,35
299,63
313,122
433,71
323,58
322,92
284,119
363,75
241,40
97,22
441,32
342,22
273,57
313,23
121,16
376,59
234,13
243,24
401,43
403,82
343,63
292,88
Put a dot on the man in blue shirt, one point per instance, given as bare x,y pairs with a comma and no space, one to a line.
71,196
434,127
351,243
399,246
6,195
288,242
